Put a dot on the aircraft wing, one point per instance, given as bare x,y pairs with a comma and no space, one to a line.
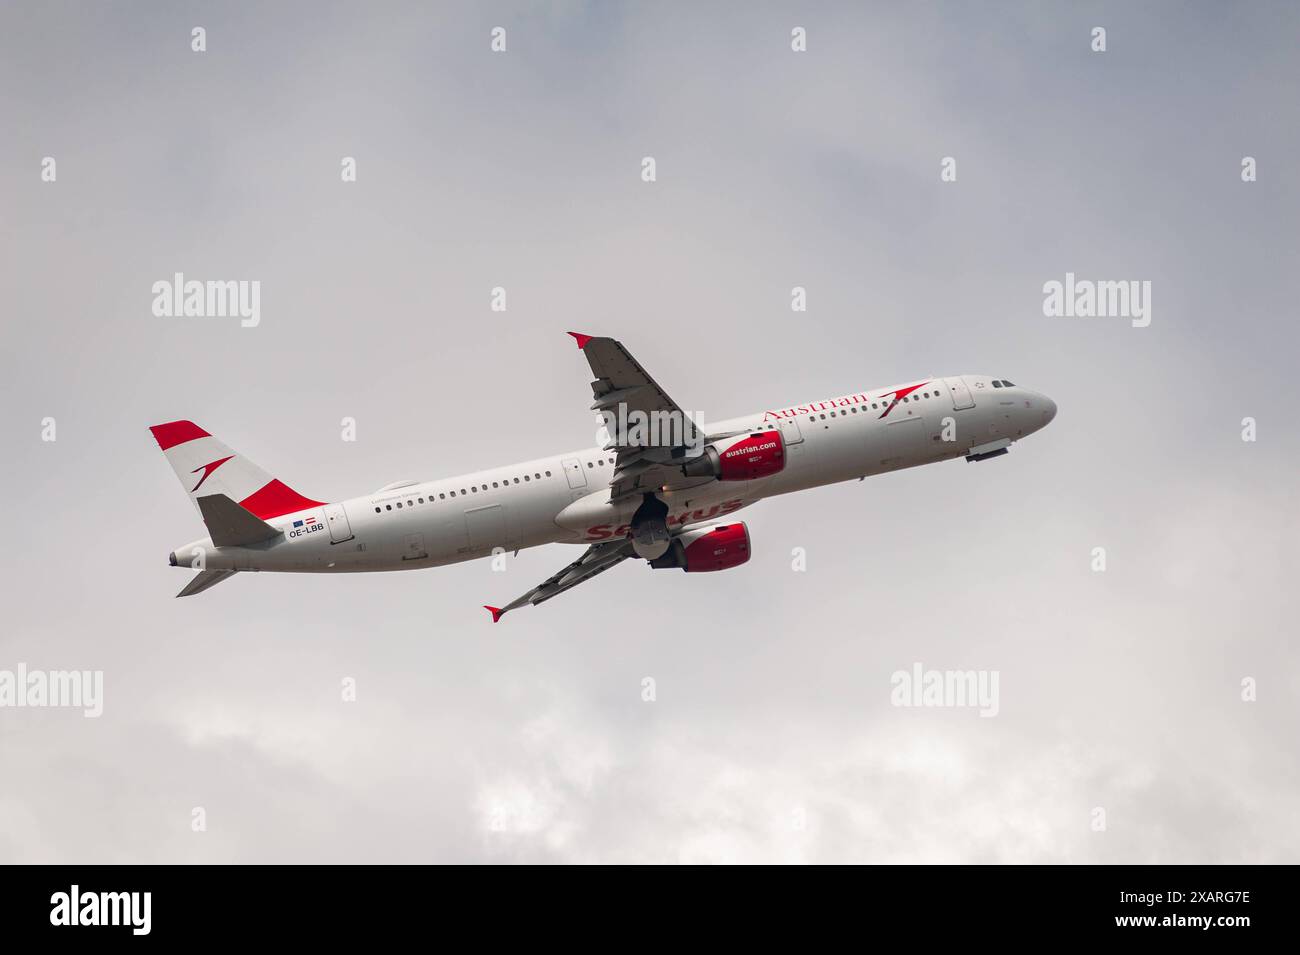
648,431
597,559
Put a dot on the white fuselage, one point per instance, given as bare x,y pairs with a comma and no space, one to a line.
565,498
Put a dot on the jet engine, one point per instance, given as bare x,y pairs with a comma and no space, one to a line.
712,547
744,458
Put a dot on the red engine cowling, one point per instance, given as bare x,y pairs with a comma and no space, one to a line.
749,458
703,549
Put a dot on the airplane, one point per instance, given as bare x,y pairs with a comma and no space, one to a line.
662,488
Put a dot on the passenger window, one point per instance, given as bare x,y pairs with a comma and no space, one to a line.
525,477
442,497
548,473
421,500
399,505
376,510
389,506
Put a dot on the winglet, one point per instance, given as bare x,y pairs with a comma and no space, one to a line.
495,611
176,432
581,339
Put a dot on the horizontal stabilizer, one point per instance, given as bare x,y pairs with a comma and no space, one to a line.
205,579
231,525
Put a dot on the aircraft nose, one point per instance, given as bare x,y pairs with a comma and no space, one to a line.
1049,409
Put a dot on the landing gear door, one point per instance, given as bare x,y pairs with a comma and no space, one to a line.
337,518
960,394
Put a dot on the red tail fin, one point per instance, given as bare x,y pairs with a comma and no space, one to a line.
206,466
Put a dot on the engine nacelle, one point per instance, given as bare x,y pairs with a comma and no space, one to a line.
701,549
745,458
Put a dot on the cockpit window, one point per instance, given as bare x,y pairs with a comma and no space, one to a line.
1007,384
997,384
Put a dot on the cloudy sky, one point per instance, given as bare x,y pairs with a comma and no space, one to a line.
772,736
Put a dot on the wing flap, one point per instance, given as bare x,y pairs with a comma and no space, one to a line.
648,431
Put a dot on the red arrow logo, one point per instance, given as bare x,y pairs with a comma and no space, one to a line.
899,395
207,470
